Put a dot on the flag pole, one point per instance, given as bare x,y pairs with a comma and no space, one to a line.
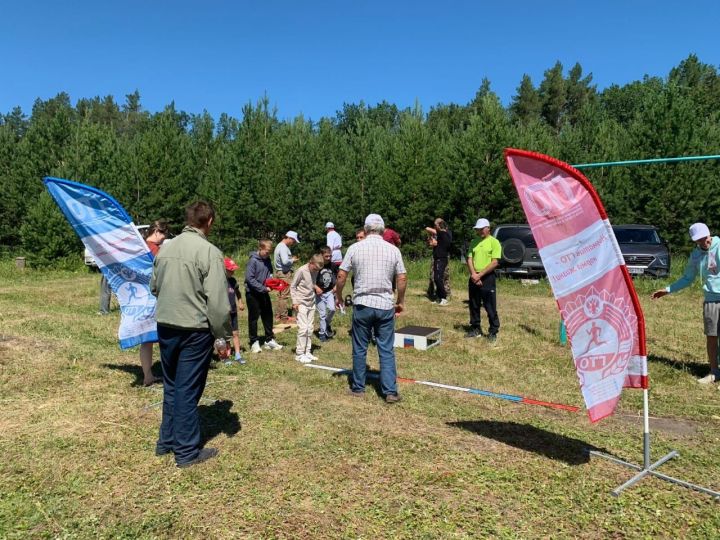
644,161
646,430
648,468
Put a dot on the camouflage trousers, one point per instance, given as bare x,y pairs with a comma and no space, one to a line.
431,292
282,303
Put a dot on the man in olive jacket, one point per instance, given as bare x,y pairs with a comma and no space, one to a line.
192,310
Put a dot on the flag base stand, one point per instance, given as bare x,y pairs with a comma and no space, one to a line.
648,469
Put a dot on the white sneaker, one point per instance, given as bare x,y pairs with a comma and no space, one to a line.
255,347
302,359
708,379
273,345
443,302
311,356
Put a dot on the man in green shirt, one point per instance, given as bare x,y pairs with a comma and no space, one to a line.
192,310
482,259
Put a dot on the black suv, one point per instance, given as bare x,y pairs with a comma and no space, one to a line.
520,255
644,250
642,247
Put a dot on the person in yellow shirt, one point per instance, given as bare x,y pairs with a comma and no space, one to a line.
482,258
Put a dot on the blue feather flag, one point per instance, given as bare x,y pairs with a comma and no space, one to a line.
120,252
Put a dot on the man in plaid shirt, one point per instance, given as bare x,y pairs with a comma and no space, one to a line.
374,263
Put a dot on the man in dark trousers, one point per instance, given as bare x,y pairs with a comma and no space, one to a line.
482,259
192,310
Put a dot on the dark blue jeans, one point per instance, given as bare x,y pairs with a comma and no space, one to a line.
185,356
382,322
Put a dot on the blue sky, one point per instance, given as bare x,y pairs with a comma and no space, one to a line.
311,57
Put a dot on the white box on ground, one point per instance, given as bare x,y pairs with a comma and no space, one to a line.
417,337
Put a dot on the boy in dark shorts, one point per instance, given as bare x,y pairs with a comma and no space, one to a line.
236,304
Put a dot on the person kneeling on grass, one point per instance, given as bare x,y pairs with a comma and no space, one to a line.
302,292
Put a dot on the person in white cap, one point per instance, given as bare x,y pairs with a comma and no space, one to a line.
375,264
482,258
334,242
704,260
283,266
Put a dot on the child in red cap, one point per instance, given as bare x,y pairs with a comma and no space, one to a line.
236,304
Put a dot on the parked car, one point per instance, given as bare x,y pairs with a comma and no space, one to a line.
90,261
644,250
642,247
520,256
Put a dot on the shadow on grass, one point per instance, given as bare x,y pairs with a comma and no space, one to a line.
218,418
466,328
531,439
136,370
372,378
693,368
530,330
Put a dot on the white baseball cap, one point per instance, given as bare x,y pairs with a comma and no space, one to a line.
481,223
699,231
329,225
293,235
374,219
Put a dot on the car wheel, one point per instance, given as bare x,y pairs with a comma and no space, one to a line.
513,251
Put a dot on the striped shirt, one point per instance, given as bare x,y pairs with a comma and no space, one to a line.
375,263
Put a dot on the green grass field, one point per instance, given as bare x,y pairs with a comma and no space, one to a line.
299,458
